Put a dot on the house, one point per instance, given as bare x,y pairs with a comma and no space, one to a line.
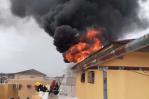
25,81
118,71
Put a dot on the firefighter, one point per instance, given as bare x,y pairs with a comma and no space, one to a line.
40,87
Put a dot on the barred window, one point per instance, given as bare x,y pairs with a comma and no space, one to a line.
91,77
83,77
20,86
14,86
29,86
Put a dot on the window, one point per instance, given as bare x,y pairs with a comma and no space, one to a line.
29,86
83,77
91,77
14,86
20,86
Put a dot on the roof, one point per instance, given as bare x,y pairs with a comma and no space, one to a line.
107,48
115,49
31,72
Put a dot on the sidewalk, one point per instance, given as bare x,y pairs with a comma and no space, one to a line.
62,97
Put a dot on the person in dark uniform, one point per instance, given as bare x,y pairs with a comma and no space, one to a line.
40,87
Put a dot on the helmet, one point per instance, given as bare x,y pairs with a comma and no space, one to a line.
37,83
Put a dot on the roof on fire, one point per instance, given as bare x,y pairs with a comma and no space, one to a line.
107,49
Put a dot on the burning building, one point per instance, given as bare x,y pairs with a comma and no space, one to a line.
118,71
84,32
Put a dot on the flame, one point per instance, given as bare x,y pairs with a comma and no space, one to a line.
90,44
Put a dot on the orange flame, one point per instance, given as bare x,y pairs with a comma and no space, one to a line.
83,49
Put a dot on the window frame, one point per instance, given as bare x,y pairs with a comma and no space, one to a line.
83,78
91,77
20,86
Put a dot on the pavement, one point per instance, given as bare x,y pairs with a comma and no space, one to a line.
61,97
52,96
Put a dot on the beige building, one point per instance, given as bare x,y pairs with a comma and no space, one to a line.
24,81
8,91
36,97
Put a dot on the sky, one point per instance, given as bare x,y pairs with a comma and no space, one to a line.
24,45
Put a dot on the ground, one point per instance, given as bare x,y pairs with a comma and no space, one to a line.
61,97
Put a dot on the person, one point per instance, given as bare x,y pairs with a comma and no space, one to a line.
40,87
37,86
54,87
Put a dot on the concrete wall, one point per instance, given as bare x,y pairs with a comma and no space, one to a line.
68,90
68,86
8,91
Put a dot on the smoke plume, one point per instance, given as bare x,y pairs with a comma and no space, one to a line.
66,20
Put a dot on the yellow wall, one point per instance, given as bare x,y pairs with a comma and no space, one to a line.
130,59
121,84
7,91
87,90
127,85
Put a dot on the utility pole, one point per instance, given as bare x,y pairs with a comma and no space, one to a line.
105,91
1,78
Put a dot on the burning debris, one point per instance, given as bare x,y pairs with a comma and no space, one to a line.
67,20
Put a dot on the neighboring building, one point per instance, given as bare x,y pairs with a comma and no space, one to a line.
25,81
102,76
8,91
3,78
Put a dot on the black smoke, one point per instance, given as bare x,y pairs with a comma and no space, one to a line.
66,20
